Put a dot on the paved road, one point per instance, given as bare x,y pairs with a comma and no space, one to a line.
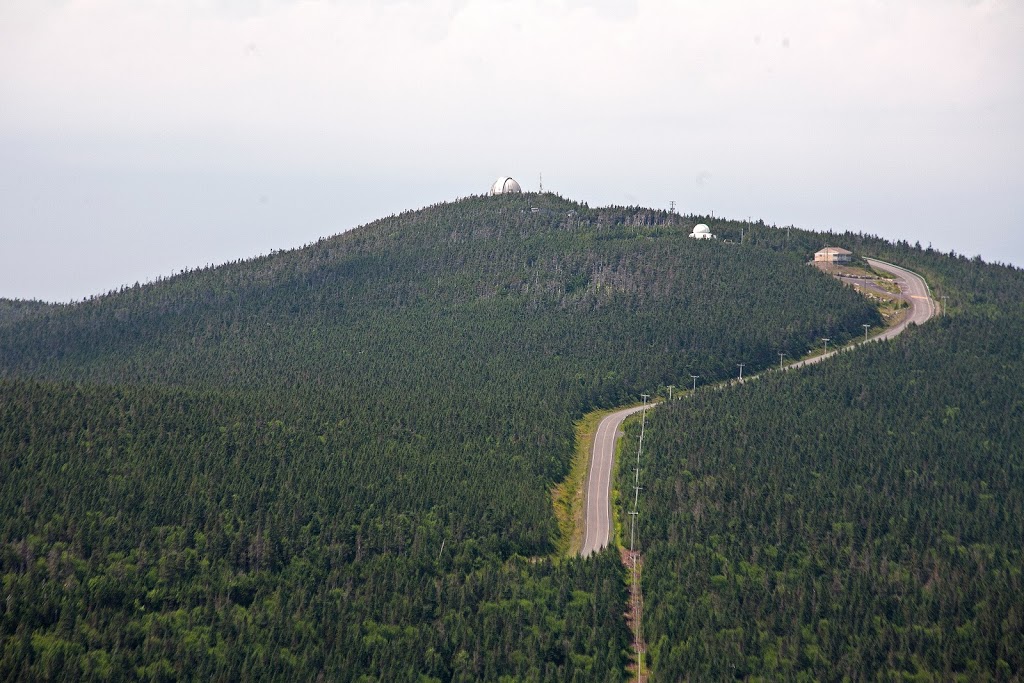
598,520
916,292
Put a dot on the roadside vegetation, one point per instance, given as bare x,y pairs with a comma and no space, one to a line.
569,495
858,519
338,460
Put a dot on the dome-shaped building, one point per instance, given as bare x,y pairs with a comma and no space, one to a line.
701,232
505,185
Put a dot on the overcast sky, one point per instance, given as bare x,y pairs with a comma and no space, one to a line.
140,137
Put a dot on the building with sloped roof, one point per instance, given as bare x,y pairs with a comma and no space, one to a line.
833,255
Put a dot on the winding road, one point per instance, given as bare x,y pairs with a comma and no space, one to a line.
915,290
598,518
916,293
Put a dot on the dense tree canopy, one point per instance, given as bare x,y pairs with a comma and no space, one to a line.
858,519
336,460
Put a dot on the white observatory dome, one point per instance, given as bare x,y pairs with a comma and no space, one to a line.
702,232
505,185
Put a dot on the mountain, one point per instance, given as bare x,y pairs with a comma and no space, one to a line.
336,461
857,520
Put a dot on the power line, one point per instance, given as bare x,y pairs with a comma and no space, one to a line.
634,513
643,423
636,495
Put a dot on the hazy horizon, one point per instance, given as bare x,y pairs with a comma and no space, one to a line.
138,139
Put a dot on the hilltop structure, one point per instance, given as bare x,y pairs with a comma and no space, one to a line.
505,185
833,255
702,232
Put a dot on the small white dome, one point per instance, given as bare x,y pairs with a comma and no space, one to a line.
505,185
702,232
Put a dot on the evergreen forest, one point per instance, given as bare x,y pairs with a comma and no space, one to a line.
860,519
335,462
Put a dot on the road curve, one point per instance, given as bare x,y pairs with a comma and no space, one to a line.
598,518
915,291
597,522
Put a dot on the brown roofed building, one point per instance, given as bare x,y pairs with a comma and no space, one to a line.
833,255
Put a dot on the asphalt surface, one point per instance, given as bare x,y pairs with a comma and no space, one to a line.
598,522
870,286
915,290
598,519
916,293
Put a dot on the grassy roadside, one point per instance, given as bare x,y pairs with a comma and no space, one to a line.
568,497
569,501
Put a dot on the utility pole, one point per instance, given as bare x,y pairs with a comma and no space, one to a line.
782,354
635,589
741,370
542,183
694,381
670,388
672,206
944,297
826,340
636,496
866,328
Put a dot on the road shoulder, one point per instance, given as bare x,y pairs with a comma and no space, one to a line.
569,496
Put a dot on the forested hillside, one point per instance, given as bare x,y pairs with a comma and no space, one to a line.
336,460
162,534
859,519
15,309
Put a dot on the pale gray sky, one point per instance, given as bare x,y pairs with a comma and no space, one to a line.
140,137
